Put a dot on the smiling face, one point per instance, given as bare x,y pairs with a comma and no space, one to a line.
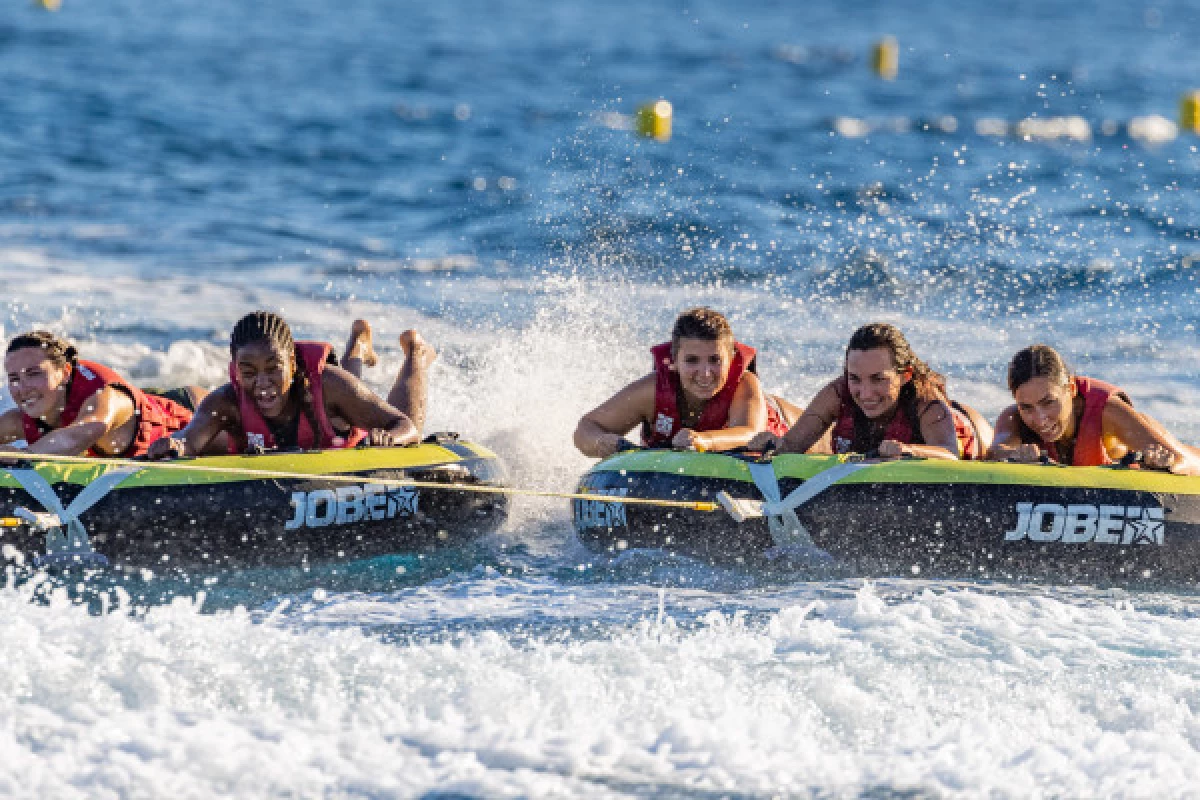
703,366
265,372
873,381
38,385
1047,407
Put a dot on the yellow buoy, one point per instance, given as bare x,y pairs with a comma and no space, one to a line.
653,120
885,58
50,5
1189,112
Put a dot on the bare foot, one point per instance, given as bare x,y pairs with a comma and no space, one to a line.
416,349
360,346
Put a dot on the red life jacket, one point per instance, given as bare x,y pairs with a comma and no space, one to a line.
310,357
157,416
1089,431
904,427
667,418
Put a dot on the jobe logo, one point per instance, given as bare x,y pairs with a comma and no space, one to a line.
349,504
1075,524
664,425
599,514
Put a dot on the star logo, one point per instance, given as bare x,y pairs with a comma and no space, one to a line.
664,424
402,502
1146,530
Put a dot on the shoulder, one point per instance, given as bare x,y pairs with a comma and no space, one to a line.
336,383
223,400
636,400
642,391
1008,417
832,394
1118,410
749,382
12,421
111,394
933,404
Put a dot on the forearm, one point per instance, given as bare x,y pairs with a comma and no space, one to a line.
725,438
1002,451
932,451
593,441
807,431
403,432
70,441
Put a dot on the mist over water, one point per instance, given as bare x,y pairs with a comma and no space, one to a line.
463,168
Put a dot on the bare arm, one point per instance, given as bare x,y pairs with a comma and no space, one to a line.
217,412
352,400
599,432
814,423
1125,429
11,427
101,415
1007,444
937,429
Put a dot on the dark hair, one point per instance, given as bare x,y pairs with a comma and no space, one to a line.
1037,361
925,385
261,326
58,350
266,326
701,323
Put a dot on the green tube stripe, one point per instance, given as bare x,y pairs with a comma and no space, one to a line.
311,463
802,467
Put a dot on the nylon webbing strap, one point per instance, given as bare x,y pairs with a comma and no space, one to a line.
72,544
785,526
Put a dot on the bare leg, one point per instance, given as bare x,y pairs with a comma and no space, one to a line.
411,388
360,350
789,411
982,429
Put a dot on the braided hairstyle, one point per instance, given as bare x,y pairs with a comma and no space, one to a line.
58,350
925,385
265,326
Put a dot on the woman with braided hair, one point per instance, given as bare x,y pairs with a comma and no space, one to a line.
284,394
69,406
889,402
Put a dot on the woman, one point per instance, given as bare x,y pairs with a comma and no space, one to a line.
887,401
702,395
1078,421
284,394
68,406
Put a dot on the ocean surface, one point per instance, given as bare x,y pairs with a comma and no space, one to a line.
466,168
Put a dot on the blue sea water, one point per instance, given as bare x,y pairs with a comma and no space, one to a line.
466,168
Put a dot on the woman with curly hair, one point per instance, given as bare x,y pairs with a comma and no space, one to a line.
887,402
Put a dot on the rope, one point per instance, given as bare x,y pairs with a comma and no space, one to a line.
397,483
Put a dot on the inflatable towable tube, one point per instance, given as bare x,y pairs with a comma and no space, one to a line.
146,514
933,518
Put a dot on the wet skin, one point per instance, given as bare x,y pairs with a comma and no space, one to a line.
703,368
38,386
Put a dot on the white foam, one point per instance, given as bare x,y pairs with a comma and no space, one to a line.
902,687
